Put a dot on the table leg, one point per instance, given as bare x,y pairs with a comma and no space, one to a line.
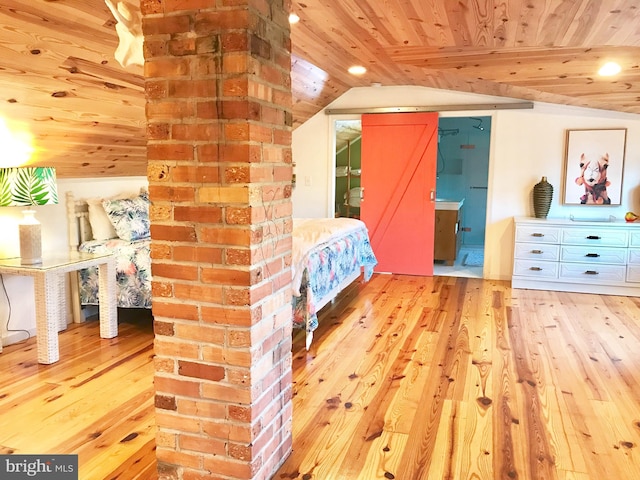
62,301
46,291
107,298
76,308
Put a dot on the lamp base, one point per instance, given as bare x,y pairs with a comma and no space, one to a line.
30,239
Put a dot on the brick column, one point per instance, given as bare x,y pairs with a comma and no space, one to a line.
219,151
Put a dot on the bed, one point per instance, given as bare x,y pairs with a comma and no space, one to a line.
327,255
118,225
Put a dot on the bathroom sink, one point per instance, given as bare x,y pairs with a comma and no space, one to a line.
448,204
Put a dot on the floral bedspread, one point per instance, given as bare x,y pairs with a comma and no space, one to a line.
325,268
133,272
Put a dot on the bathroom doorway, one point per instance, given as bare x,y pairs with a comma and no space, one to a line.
462,171
462,175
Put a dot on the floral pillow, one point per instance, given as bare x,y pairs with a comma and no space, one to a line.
129,216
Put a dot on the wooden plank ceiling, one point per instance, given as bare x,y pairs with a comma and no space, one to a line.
60,82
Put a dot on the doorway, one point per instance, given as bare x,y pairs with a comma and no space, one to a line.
462,170
462,175
348,140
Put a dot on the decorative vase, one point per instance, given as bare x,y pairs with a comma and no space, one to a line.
542,195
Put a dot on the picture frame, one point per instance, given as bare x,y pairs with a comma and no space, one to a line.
594,166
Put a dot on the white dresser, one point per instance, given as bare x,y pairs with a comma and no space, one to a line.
577,256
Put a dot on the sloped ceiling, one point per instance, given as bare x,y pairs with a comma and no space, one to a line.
59,80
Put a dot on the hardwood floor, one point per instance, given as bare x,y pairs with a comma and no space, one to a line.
407,378
455,378
97,401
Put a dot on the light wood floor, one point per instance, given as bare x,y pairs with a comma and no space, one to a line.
408,378
97,401
454,378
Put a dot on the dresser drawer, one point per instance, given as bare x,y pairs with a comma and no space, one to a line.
634,256
593,255
537,234
634,239
533,251
633,273
535,269
589,274
595,236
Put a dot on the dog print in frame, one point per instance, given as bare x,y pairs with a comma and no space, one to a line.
594,166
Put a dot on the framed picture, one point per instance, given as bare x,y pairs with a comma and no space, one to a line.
593,168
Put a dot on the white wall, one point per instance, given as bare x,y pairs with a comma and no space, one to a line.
525,145
53,219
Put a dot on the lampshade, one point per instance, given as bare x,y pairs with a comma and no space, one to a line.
24,187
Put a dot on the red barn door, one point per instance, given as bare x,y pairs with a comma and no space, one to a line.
399,180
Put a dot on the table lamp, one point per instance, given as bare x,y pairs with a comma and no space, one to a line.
24,187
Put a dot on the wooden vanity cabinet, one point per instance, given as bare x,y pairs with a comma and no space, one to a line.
447,235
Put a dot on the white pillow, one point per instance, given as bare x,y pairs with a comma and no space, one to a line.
101,226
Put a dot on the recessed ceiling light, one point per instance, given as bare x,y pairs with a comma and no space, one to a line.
609,68
293,18
357,70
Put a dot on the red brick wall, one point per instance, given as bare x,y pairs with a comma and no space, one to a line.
219,152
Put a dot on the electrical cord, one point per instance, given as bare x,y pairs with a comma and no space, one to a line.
4,289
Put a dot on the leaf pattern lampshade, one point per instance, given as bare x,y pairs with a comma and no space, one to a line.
25,186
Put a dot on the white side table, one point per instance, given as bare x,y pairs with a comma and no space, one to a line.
50,297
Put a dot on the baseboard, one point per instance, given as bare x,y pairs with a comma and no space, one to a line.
11,337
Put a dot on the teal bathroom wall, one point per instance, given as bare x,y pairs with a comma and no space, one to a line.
463,170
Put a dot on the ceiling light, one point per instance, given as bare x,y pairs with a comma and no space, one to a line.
293,18
357,70
609,68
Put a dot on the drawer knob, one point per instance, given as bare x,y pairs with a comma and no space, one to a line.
592,255
537,252
593,237
535,269
537,234
591,272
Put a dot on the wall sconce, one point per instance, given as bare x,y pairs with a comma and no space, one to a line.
25,187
